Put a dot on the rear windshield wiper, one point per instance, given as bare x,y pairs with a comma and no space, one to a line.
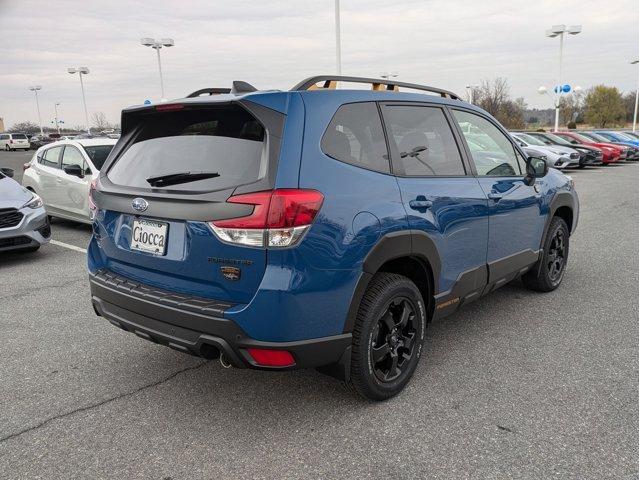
181,177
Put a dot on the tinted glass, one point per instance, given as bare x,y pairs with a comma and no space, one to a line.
98,154
422,141
50,157
4,137
355,136
224,140
21,136
493,153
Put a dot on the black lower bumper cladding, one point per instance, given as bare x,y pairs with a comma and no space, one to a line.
196,325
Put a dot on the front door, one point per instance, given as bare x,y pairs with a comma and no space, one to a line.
443,201
517,218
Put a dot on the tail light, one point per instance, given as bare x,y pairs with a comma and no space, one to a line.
25,166
10,141
92,206
279,218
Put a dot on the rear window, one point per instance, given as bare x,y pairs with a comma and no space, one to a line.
98,154
21,136
225,140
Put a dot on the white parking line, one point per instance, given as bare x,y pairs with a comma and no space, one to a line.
70,247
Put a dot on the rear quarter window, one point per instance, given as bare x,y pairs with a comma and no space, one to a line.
226,140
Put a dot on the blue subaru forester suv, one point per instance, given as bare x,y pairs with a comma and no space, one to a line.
318,227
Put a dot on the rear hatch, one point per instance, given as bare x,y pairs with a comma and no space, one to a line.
171,174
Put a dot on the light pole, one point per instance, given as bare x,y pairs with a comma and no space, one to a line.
82,71
57,125
558,31
389,75
35,89
556,97
471,92
634,118
338,39
157,46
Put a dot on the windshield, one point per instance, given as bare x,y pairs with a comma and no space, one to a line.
596,137
558,140
625,136
226,140
530,139
98,154
21,136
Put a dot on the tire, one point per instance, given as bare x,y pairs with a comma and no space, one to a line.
387,337
7,147
581,166
548,272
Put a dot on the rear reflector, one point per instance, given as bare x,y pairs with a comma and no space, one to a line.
271,358
279,218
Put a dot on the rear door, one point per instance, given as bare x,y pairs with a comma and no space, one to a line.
48,167
441,197
74,190
516,214
160,233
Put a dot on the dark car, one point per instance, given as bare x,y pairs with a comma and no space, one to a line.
318,227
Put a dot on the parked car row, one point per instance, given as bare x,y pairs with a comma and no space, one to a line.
580,149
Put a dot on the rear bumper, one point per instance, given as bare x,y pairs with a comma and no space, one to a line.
197,326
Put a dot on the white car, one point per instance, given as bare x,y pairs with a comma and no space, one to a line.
556,155
61,173
14,141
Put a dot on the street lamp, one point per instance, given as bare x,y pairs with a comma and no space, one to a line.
559,31
389,75
157,45
57,125
634,118
82,71
35,89
338,39
471,92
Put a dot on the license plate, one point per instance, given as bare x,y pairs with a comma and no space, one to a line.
149,236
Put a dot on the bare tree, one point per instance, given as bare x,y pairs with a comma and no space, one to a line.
24,127
99,121
494,97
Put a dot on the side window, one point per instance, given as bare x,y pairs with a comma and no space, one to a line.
50,157
493,153
72,156
422,142
355,136
4,137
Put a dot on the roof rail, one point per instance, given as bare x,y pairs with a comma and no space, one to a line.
330,82
208,91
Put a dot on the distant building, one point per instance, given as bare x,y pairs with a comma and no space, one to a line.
1,124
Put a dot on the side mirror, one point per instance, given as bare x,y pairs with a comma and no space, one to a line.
8,172
536,167
75,170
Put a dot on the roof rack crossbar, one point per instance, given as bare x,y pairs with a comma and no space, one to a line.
377,84
208,91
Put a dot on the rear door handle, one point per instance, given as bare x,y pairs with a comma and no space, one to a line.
59,180
418,204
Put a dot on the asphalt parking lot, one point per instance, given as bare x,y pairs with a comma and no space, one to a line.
516,385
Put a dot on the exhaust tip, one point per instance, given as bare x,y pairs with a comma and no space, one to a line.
225,361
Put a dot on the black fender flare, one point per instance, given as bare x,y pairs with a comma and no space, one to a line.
561,199
404,243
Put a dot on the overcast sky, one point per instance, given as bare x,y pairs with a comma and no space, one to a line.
276,43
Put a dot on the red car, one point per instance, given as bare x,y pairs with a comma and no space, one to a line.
611,153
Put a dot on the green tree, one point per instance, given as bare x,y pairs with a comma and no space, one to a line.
629,102
604,106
